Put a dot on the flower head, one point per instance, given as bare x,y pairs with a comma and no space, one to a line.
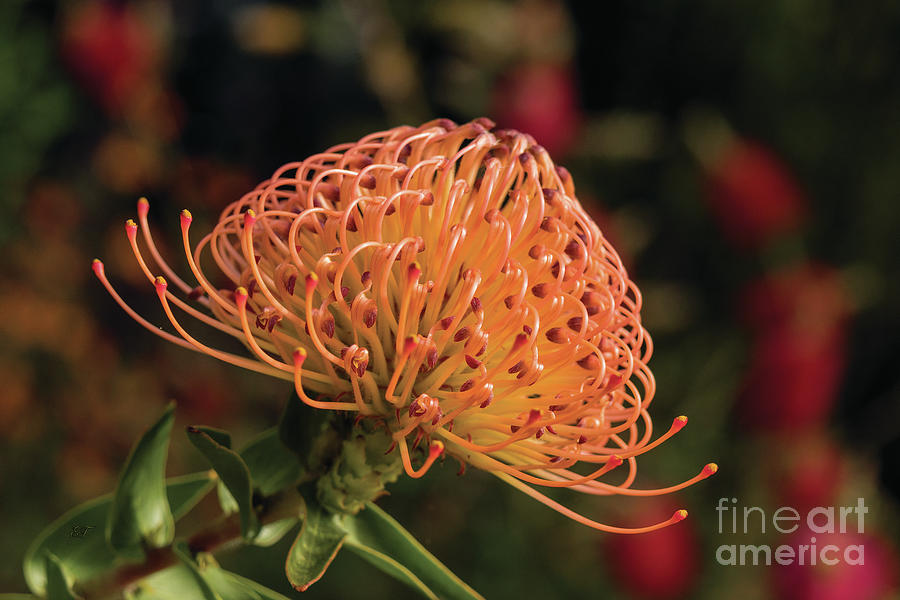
445,281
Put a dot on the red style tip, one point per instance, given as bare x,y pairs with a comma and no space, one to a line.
97,267
240,296
614,461
413,273
312,280
161,284
679,423
186,218
680,515
143,206
249,218
130,228
709,469
299,356
436,449
409,344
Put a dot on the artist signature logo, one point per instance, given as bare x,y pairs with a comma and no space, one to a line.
80,531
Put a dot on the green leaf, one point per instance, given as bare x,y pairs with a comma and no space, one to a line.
179,583
234,587
377,531
174,583
270,533
77,540
234,474
57,582
319,541
388,565
313,435
273,468
183,552
140,510
298,426
226,501
219,436
272,465
18,597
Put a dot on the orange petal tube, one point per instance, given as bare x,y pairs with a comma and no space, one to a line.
445,280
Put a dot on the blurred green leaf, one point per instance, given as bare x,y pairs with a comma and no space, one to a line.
272,465
180,583
234,587
183,552
174,583
271,533
18,597
140,509
77,540
319,541
299,427
219,436
57,582
372,532
226,501
273,468
234,474
389,566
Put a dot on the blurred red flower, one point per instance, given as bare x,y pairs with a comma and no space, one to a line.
798,319
662,564
110,50
809,473
753,195
540,99
874,579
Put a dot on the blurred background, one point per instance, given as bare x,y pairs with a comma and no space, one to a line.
742,156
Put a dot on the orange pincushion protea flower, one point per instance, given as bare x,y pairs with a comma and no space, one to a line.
445,280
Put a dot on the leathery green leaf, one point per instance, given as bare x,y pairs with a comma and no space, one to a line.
376,530
180,583
140,510
272,465
57,582
77,539
233,472
183,552
388,565
319,541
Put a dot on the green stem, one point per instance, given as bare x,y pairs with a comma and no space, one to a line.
220,535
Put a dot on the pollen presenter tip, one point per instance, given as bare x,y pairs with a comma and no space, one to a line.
143,206
710,469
